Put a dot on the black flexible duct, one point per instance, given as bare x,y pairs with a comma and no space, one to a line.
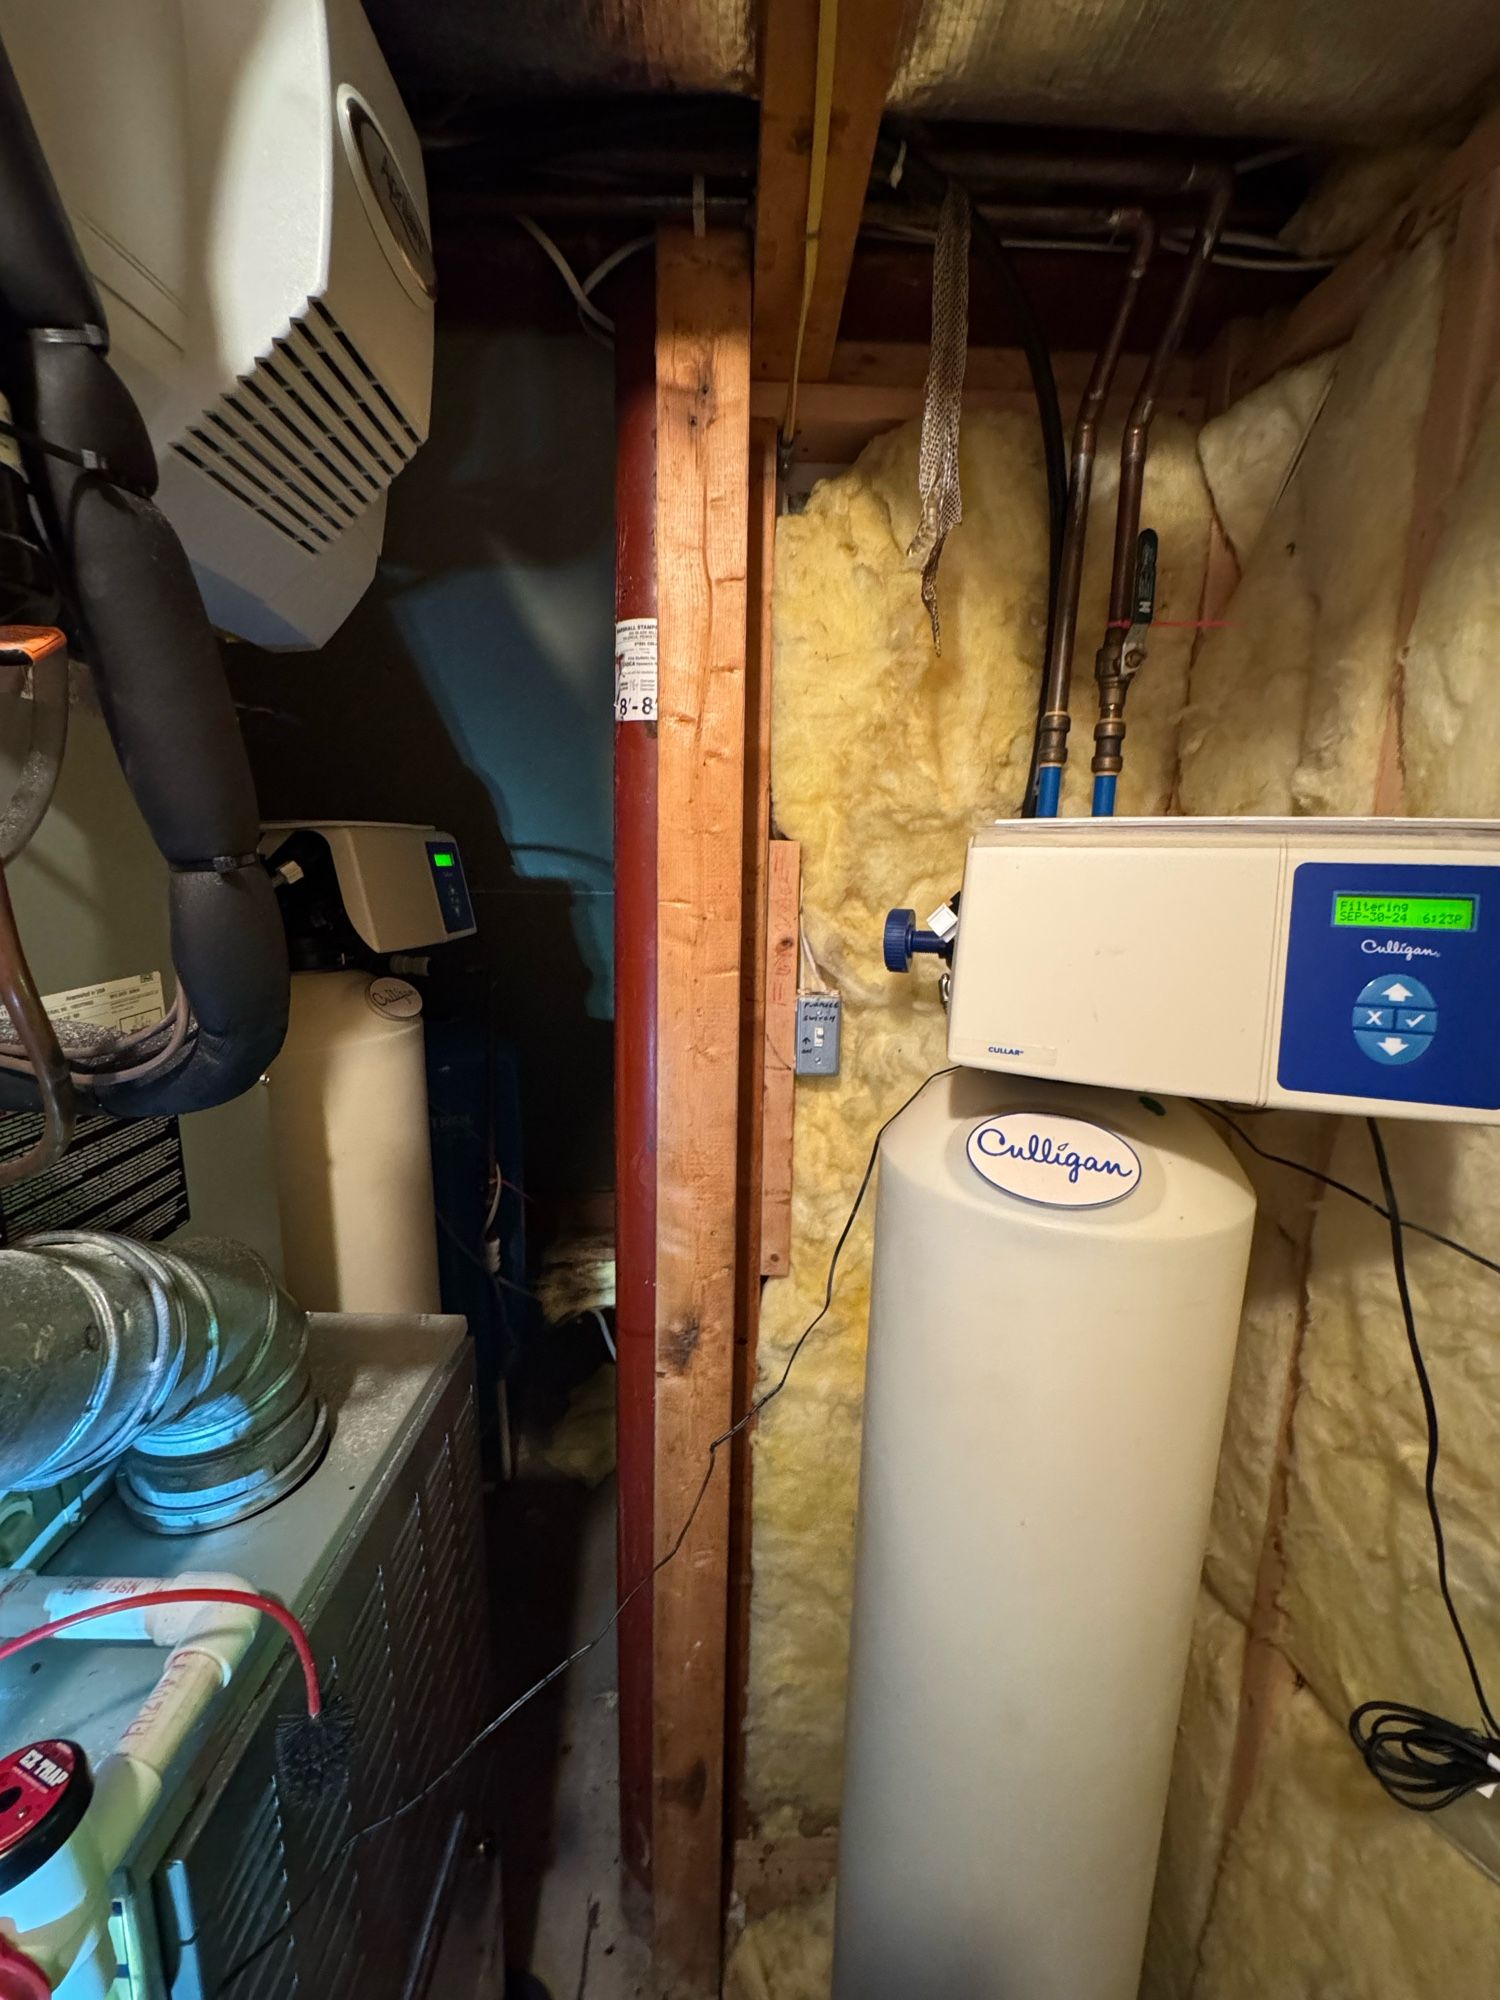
138,619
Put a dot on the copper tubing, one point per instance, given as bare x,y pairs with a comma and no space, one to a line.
1053,719
38,1039
1112,670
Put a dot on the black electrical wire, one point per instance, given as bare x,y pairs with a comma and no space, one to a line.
1423,1760
252,1957
1343,1187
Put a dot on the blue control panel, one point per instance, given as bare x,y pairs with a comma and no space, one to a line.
452,890
1393,984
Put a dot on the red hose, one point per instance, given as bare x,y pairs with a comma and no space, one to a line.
251,1599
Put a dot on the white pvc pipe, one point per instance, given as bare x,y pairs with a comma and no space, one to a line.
28,1600
60,1914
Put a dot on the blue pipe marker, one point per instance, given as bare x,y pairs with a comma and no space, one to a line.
1104,794
1048,791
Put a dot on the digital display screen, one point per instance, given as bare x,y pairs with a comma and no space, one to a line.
440,859
1405,913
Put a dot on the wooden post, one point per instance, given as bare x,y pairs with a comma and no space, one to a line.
703,443
635,1072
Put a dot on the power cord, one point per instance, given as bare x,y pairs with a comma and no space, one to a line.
1423,1760
477,1741
1343,1187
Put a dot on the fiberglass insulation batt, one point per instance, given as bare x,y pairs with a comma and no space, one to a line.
1285,1873
883,756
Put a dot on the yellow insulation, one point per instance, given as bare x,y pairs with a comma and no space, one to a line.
1289,702
883,756
1305,1882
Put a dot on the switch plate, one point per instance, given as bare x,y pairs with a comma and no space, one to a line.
818,1019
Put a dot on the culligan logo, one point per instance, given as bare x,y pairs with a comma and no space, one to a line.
1058,1162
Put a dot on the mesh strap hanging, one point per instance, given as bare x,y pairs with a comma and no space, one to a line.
937,472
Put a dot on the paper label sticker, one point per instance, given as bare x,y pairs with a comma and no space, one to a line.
121,1004
635,670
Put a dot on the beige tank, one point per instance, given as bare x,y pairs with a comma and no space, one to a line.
353,1157
1057,1287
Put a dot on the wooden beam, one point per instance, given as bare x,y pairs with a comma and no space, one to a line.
871,35
836,420
1465,369
1332,310
779,1059
703,445
902,364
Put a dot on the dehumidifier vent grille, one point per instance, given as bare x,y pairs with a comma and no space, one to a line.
308,438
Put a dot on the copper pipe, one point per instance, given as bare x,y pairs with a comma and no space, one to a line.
1112,668
39,1044
1053,719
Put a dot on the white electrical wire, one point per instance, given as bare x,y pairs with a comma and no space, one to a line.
613,261
586,307
595,321
815,977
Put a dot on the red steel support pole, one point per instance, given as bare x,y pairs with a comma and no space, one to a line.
635,1054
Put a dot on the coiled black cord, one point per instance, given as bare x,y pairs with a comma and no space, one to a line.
1423,1760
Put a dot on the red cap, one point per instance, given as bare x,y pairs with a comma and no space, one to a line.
21,1978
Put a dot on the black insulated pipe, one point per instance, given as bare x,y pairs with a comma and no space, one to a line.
136,616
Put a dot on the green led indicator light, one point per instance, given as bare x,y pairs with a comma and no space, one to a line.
1405,913
442,860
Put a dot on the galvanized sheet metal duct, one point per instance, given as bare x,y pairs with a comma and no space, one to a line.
1323,70
188,1367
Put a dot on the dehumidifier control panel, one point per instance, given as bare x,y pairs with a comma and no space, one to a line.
1337,965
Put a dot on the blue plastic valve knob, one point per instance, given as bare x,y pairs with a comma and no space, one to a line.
902,941
898,942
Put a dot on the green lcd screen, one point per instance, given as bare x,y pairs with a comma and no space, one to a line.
1405,913
441,860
